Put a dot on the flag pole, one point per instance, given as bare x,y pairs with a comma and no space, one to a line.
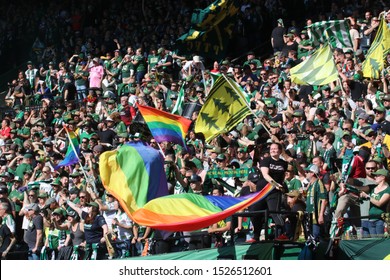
74,150
247,104
161,150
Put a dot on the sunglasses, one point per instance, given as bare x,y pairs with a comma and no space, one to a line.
370,168
82,197
84,142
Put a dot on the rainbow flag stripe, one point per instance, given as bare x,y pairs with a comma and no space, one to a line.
165,126
71,156
134,174
188,212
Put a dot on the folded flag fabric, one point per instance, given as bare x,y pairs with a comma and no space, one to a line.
71,156
134,174
165,126
319,69
188,211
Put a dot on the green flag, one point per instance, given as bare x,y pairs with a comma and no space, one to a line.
319,69
335,32
179,106
210,31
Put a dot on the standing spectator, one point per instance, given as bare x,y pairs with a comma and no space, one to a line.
33,235
7,239
69,90
32,75
379,197
316,201
95,226
273,170
278,32
57,238
96,74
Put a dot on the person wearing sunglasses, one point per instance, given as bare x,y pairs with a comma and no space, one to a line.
379,197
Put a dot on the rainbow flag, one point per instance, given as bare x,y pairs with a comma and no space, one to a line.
134,174
165,126
188,211
73,151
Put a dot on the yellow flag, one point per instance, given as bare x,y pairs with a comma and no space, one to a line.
224,108
319,69
374,63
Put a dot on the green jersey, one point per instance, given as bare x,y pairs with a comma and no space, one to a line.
293,184
316,195
141,63
57,238
152,60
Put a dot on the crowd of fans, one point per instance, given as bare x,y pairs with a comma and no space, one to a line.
323,148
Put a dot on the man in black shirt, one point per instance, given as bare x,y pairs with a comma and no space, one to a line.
106,135
69,89
277,41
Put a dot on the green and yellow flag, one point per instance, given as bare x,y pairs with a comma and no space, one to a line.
317,70
374,63
224,108
210,31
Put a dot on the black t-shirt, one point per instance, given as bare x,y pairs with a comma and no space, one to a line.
357,89
71,91
304,92
107,136
277,170
5,235
277,36
93,232
169,69
30,234
287,48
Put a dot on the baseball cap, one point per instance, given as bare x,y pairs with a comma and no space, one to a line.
293,193
382,172
363,116
253,176
313,168
33,206
195,178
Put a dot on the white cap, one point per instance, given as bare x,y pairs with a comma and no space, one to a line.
313,168
196,58
234,133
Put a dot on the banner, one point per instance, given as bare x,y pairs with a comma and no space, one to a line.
220,173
